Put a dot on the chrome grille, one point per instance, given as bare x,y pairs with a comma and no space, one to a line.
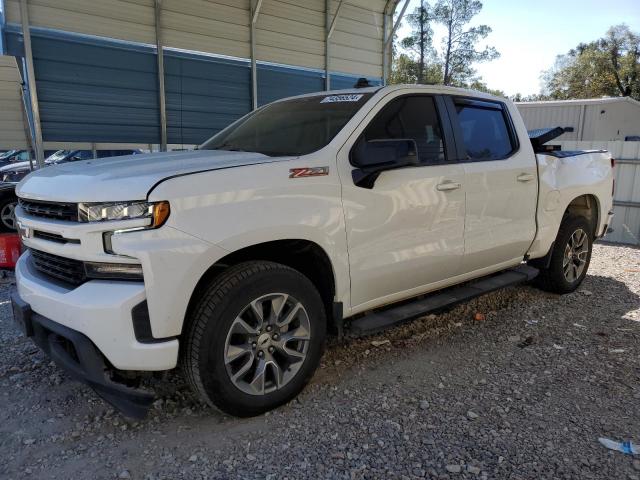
66,269
55,210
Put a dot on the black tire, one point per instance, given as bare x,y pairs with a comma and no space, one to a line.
552,278
209,324
8,203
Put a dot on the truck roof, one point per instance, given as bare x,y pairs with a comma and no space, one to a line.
439,89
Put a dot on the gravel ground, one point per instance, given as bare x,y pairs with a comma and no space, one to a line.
523,393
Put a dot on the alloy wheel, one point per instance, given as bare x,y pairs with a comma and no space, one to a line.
575,255
267,344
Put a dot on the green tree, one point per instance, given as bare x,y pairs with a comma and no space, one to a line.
460,43
420,41
406,70
623,49
480,86
609,66
536,97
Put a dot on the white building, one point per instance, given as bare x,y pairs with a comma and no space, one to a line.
596,119
611,124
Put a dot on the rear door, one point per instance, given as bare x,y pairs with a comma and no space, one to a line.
500,184
407,230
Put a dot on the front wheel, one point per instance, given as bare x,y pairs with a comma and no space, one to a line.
255,338
570,257
8,214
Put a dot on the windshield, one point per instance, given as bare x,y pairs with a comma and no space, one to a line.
7,154
19,156
291,127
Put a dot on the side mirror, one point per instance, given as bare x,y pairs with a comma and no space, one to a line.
375,156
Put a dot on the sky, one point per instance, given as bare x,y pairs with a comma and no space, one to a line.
530,34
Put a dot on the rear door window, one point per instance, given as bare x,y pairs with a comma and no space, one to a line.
485,129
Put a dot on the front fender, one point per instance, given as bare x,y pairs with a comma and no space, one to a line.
241,207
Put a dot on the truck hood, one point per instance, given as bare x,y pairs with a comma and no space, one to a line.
129,177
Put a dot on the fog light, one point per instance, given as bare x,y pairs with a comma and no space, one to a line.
120,271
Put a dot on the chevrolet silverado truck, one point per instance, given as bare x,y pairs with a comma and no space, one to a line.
344,211
11,174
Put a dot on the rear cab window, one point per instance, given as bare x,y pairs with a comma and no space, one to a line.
486,129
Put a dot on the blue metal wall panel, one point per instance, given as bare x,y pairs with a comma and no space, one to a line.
275,82
12,42
104,90
2,41
341,81
95,91
204,95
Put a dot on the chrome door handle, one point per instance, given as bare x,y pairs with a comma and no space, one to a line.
446,186
525,177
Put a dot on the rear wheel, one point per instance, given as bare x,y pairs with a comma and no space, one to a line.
255,338
570,257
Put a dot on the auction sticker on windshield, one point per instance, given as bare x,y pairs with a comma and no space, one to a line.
342,98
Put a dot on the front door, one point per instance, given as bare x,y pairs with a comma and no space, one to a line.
407,230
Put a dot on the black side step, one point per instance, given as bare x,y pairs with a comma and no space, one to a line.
381,320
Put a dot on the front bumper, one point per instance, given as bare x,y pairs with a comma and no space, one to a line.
78,356
101,310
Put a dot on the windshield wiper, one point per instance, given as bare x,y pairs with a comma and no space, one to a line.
278,154
229,148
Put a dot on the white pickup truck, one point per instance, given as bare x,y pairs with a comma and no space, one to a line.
330,212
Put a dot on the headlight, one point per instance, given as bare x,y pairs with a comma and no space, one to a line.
13,177
156,212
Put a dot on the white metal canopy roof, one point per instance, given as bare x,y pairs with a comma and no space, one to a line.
583,101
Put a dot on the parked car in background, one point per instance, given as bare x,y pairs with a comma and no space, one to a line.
308,215
18,156
63,156
13,171
13,155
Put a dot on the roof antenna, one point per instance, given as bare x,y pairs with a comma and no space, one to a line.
362,83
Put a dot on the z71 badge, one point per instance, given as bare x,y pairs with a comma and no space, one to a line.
308,172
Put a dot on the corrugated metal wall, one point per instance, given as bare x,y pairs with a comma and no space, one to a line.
553,116
12,125
204,95
289,32
600,120
95,85
123,19
356,45
218,26
92,91
626,222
